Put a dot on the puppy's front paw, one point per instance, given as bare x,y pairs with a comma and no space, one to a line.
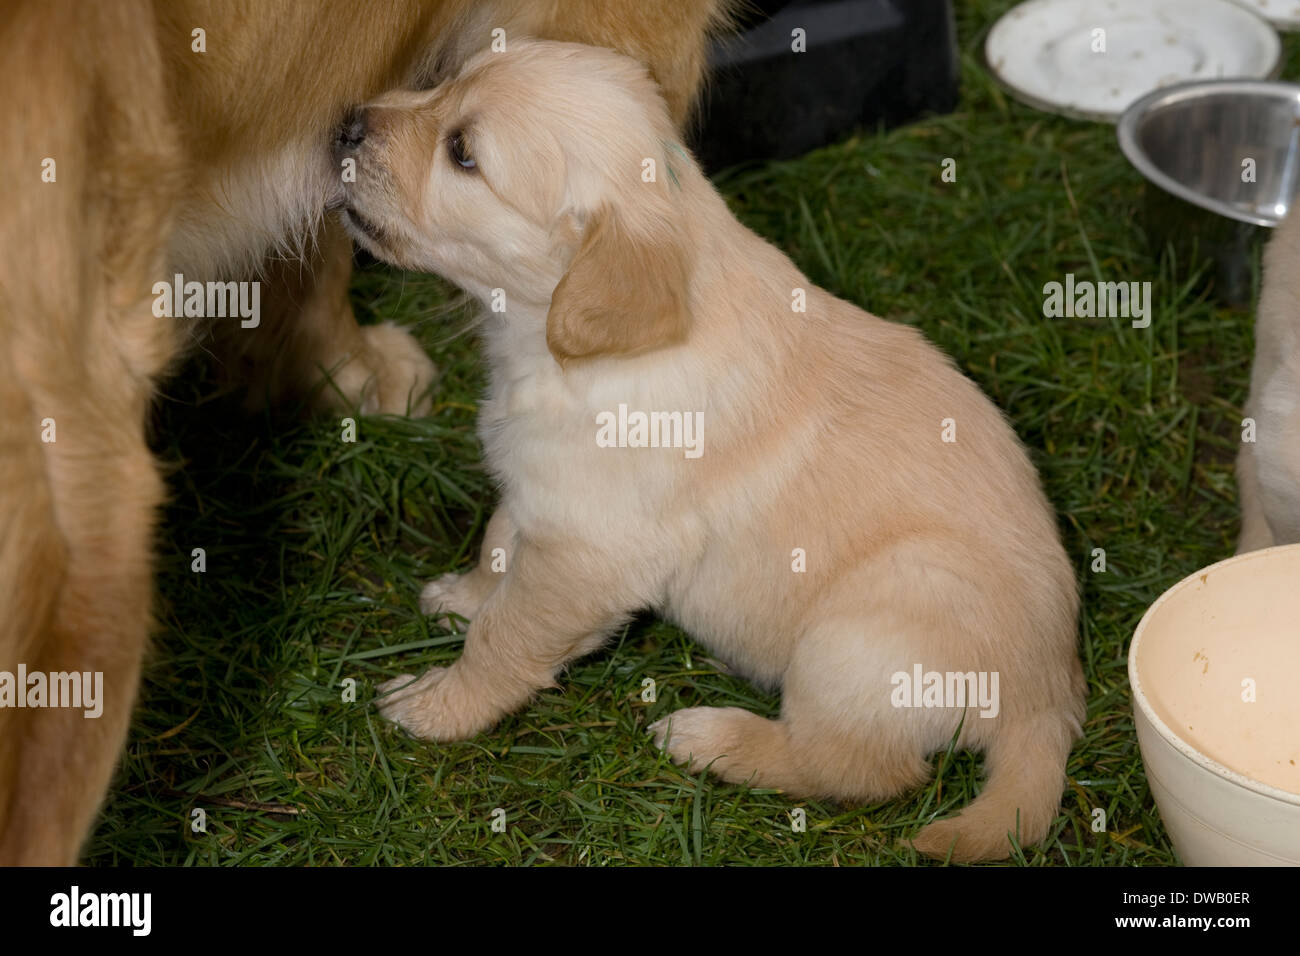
407,685
412,703
430,707
451,592
696,736
390,376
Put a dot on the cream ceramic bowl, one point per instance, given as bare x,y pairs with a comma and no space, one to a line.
1225,772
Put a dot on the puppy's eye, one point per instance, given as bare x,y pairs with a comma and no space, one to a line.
458,149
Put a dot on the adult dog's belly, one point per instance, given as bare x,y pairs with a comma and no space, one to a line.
255,107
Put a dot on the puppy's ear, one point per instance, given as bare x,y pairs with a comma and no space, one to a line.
624,293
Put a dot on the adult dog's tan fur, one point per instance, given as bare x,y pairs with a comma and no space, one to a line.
823,438
214,165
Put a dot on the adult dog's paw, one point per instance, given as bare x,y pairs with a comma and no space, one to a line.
390,375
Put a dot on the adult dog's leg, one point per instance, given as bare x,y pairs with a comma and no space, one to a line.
87,195
76,528
308,338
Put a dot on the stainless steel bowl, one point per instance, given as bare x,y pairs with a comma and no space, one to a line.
1192,142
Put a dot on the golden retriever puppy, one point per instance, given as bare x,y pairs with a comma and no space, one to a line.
147,139
679,420
1268,465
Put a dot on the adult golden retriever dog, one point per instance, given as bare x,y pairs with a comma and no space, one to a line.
679,420
148,139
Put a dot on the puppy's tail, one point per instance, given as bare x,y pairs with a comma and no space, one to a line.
1026,773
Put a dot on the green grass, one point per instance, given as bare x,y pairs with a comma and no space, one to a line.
316,549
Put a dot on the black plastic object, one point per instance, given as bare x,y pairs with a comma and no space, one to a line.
866,62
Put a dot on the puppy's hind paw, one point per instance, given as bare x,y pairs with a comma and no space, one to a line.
695,736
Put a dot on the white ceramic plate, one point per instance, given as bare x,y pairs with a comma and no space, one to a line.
1046,52
1283,14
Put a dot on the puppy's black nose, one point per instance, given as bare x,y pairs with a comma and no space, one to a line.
353,131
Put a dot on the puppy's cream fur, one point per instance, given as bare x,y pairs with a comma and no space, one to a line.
822,432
